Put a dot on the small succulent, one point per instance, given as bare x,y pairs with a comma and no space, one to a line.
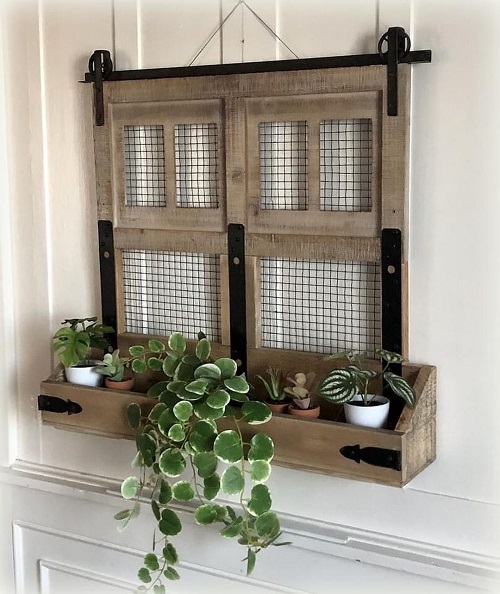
113,366
301,390
343,384
275,385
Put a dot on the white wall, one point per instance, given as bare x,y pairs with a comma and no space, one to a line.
49,266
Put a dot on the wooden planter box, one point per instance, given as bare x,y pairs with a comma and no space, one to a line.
389,457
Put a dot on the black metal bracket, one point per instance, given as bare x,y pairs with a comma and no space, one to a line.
373,456
58,405
108,278
100,69
237,294
398,48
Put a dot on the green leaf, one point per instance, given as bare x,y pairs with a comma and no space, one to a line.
203,436
171,574
177,343
192,360
339,386
233,529
401,388
122,515
170,554
123,518
218,399
134,415
156,346
144,575
203,349
170,524
228,367
165,493
267,525
176,386
130,487
155,364
136,351
227,447
203,411
166,420
159,589
172,462
146,444
137,461
250,561
206,514
211,487
183,491
184,372
183,410
206,463
151,562
260,471
176,433
208,371
389,356
232,481
261,448
156,411
157,389
198,386
170,365
256,413
260,500
237,384
236,397
139,366
156,509
169,398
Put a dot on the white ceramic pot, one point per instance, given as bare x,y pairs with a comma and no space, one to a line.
84,375
367,416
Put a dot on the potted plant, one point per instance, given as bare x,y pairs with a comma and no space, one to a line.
73,345
301,396
277,399
351,386
114,369
180,432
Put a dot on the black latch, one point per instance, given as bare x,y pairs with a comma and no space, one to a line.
58,405
100,67
374,456
398,47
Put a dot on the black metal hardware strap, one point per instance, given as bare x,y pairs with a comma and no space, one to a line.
237,296
398,48
108,278
374,456
58,405
100,68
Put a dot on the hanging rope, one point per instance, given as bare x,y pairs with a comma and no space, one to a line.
228,16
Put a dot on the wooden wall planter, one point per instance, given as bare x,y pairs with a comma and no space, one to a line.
390,457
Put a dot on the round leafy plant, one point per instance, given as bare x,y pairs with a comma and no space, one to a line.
183,457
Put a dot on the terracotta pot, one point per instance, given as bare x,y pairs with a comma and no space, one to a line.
374,416
308,413
278,407
125,384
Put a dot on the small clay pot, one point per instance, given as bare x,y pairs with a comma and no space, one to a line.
308,413
125,384
279,407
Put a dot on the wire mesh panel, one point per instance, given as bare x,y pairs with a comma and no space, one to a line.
165,292
320,306
283,165
144,166
196,165
346,165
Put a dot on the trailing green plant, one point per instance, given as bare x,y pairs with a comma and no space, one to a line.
301,390
74,342
113,366
179,434
275,385
343,384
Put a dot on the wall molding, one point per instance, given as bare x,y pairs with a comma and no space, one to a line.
325,538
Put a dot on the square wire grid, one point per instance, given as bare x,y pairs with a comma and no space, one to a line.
144,166
283,165
167,292
320,306
346,164
196,165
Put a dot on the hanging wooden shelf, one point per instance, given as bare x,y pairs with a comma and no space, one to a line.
389,457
